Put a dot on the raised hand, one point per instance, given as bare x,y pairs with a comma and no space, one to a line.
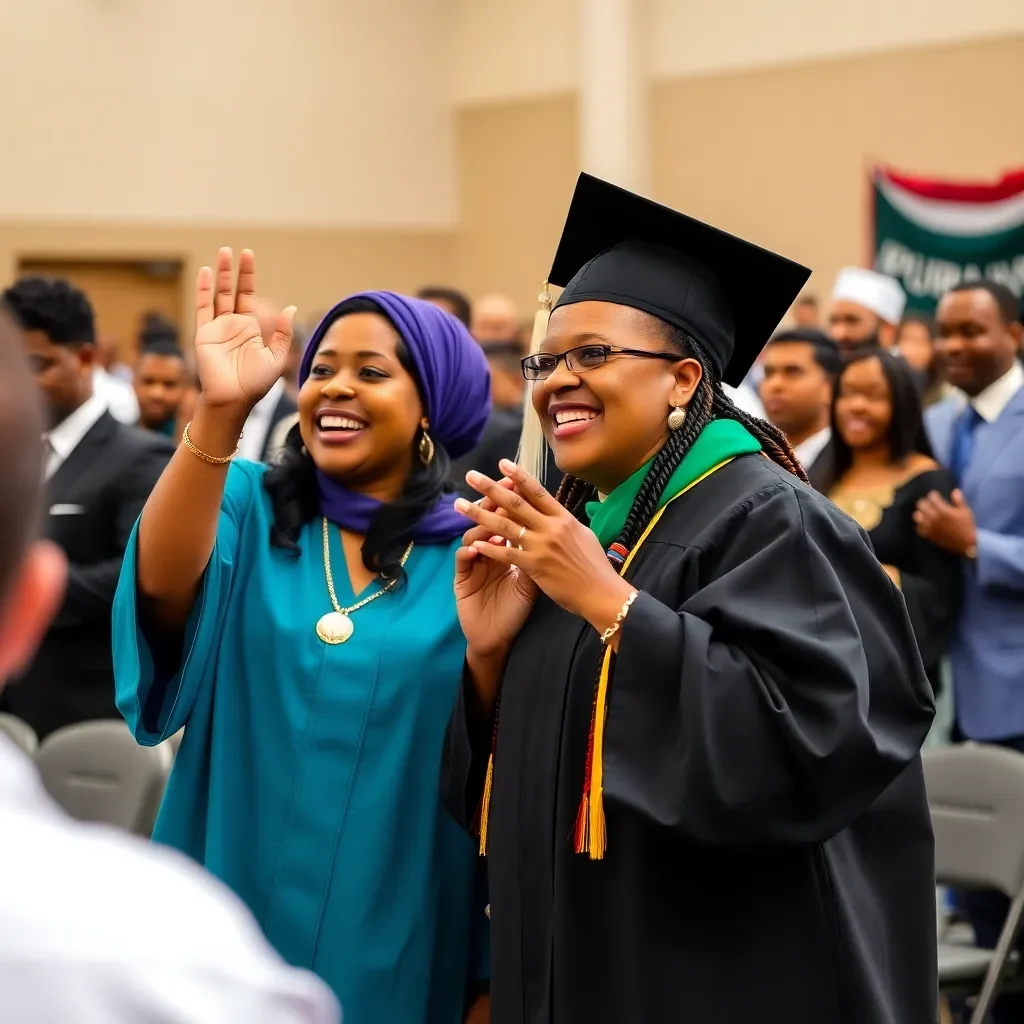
236,368
493,600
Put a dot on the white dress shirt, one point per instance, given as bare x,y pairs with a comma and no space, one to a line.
67,435
744,397
117,395
990,403
257,426
811,447
100,927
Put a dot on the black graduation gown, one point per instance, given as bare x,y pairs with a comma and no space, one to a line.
770,853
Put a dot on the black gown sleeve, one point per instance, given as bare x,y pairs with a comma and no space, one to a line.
779,701
932,589
467,748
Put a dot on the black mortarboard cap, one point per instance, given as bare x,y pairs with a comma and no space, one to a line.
726,293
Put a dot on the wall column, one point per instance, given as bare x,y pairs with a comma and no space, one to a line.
613,93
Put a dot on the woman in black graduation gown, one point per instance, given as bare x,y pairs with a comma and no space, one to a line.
883,466
692,755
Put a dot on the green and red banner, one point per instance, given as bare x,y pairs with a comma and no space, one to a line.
931,235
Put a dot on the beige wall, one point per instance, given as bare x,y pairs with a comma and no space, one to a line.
780,155
517,167
310,114
776,155
510,51
312,269
689,37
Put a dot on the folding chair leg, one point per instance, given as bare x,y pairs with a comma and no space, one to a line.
994,977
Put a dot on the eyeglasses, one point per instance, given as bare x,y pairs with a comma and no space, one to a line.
586,357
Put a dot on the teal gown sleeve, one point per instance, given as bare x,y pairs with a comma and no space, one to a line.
154,698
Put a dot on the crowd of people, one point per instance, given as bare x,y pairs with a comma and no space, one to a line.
625,728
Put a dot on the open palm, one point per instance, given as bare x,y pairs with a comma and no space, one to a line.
236,367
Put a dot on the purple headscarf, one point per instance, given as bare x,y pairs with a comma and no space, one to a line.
455,386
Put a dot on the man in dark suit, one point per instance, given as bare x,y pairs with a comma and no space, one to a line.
800,369
98,474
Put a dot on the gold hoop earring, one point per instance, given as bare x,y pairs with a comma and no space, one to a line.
676,418
426,449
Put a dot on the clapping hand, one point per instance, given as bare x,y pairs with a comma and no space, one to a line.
546,542
949,526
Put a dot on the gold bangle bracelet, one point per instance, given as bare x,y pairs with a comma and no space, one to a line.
619,619
213,460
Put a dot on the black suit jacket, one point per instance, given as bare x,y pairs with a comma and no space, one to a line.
821,472
285,407
92,503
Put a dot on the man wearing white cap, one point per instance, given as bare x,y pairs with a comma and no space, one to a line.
866,309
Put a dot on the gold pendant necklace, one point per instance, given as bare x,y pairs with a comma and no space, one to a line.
336,627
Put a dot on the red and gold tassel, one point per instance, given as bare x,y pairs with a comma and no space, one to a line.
591,829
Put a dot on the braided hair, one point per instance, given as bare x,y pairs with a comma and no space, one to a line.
709,402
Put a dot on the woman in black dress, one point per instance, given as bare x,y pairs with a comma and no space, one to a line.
700,793
883,467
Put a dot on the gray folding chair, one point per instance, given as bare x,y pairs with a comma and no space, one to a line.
97,772
976,797
23,735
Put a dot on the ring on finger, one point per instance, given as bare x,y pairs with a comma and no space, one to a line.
519,539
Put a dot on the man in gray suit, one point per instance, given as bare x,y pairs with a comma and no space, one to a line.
979,435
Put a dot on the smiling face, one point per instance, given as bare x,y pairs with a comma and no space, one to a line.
359,410
605,423
864,405
975,343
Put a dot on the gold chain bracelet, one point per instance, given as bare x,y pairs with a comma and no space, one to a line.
619,619
213,460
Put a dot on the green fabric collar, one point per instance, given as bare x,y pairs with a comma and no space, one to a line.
718,441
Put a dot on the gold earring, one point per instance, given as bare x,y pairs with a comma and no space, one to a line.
676,418
426,449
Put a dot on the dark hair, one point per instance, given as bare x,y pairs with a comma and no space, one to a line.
1008,303
292,487
915,317
159,337
807,299
506,355
906,428
164,347
824,350
459,303
709,402
54,306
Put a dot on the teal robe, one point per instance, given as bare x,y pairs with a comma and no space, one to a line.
307,777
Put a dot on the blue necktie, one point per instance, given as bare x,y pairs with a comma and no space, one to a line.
963,442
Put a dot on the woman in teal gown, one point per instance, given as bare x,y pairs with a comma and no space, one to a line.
307,777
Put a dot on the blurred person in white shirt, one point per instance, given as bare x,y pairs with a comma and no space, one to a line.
112,382
80,940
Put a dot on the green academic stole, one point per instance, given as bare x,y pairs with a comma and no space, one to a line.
591,830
